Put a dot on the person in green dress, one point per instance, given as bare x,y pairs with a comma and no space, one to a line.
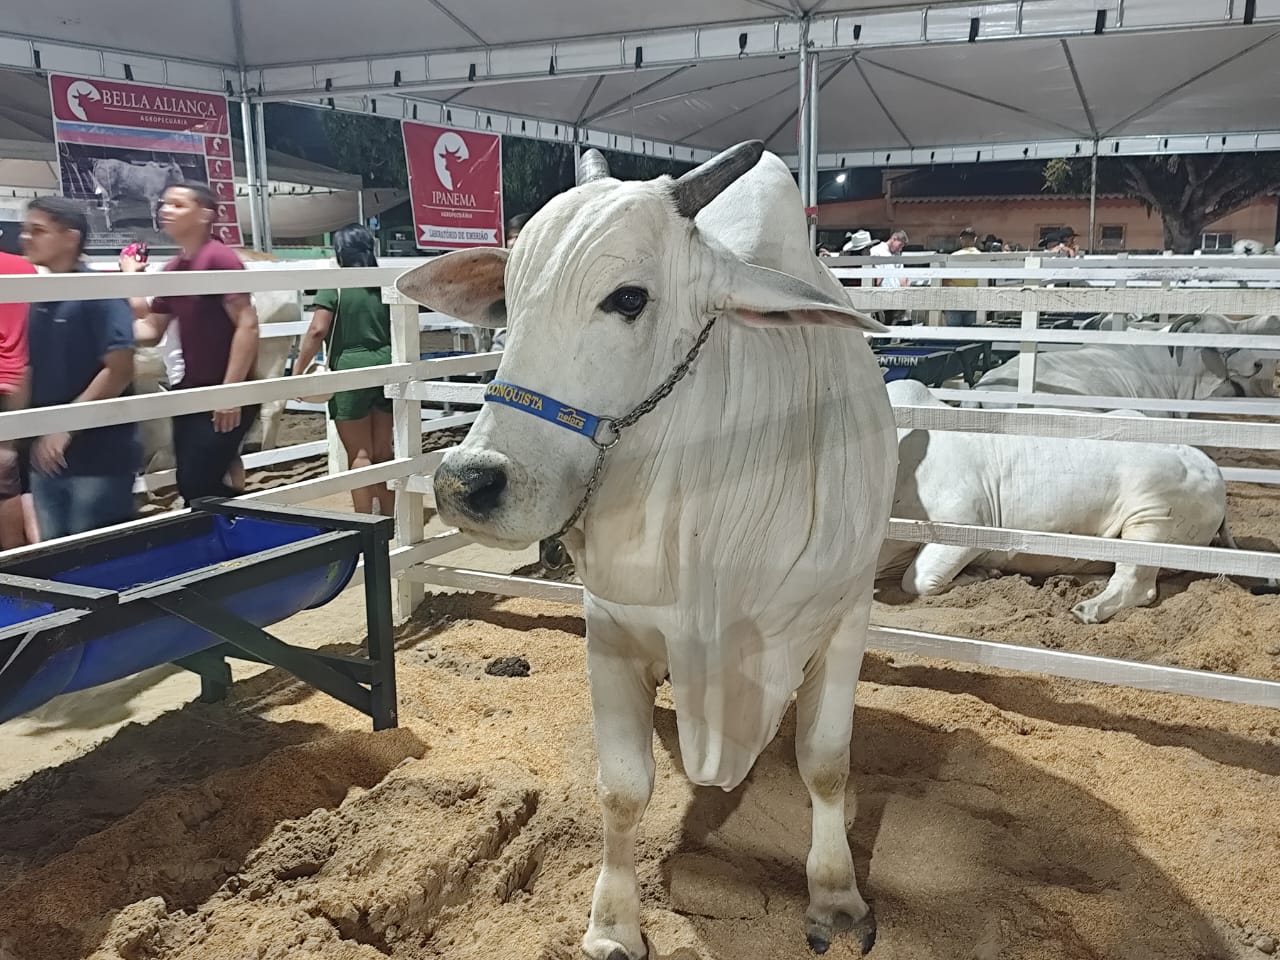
355,326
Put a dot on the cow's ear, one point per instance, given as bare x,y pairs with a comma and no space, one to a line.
760,297
467,285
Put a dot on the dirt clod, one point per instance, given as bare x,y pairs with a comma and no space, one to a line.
508,667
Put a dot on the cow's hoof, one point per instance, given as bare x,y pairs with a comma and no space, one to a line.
1086,612
820,933
603,948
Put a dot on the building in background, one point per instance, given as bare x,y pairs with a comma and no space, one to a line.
934,204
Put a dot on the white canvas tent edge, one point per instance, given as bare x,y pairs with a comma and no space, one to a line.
1133,76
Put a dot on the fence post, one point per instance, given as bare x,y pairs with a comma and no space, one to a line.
1121,323
935,316
407,428
1027,348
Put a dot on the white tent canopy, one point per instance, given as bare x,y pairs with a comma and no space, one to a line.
900,81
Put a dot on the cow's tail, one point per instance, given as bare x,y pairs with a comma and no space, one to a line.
1224,538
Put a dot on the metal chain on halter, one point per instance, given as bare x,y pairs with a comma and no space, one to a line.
621,423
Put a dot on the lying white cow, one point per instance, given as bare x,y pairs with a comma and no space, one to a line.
1158,493
1173,373
731,537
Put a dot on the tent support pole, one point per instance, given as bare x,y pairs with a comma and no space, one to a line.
802,115
1093,200
250,169
811,199
264,180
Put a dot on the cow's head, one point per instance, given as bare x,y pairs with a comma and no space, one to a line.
606,291
453,160
1231,371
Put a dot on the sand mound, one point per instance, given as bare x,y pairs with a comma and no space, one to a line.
997,817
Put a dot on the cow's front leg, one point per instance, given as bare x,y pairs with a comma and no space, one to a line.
824,725
622,693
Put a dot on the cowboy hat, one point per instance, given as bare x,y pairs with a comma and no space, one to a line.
858,240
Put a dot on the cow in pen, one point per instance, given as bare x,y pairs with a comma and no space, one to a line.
687,399
1152,492
1154,372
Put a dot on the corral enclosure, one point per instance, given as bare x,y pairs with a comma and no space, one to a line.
999,814
1003,814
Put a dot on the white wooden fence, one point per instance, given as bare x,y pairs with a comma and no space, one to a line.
409,382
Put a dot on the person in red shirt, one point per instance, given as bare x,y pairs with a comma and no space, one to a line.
219,335
13,391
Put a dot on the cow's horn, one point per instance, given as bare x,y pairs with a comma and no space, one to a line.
703,184
1182,323
592,166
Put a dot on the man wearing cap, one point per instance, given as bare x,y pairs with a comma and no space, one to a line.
963,318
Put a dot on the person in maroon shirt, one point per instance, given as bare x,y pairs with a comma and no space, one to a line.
219,342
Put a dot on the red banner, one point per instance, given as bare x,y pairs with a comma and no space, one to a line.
455,186
120,144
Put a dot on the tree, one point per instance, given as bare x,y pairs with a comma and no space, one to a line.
1190,192
368,145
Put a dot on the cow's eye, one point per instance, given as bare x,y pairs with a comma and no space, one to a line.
627,301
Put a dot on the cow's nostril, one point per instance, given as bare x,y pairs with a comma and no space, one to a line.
484,487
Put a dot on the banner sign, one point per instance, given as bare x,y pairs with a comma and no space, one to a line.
120,144
455,186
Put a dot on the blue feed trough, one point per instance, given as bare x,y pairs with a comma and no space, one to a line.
933,363
192,590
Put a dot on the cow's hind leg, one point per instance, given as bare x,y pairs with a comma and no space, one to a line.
824,725
622,693
1129,586
935,567
1132,586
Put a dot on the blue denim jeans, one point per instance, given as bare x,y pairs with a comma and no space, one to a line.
960,318
67,503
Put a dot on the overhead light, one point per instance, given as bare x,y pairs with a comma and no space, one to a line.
841,177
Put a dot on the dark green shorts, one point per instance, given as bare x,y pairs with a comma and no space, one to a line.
358,404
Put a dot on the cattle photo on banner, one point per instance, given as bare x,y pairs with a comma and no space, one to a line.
120,144
455,186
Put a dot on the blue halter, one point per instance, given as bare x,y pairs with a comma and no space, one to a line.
551,410
588,424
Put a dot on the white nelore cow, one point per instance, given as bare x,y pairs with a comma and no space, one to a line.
1137,372
1152,492
729,543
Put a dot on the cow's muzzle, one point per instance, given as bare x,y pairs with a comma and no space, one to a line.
473,487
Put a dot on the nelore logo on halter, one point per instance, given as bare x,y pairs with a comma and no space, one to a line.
542,406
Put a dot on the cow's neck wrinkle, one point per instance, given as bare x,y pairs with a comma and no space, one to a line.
680,487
